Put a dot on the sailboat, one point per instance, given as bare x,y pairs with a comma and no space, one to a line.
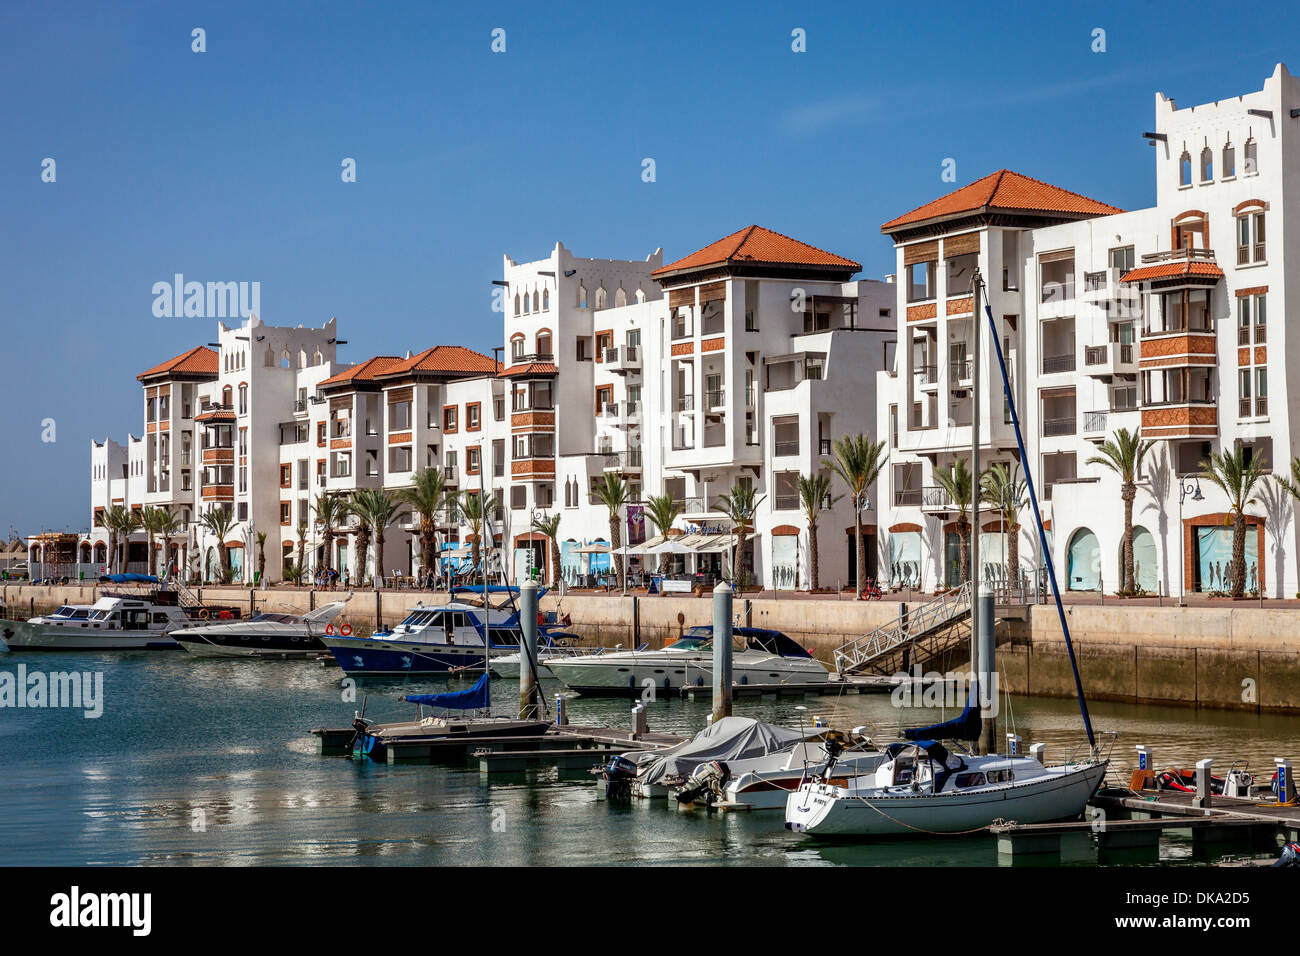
927,787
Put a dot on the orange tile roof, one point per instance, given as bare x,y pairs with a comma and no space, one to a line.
218,415
532,368
1004,190
364,371
199,360
1186,267
445,358
754,244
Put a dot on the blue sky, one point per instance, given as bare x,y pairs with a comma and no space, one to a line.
225,165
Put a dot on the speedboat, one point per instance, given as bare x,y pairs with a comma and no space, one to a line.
762,656
113,623
430,640
555,646
269,634
924,789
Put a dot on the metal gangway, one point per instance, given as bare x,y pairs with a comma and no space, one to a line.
930,618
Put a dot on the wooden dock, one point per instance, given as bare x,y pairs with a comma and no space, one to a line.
1134,820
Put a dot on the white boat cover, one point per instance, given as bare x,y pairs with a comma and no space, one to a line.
731,738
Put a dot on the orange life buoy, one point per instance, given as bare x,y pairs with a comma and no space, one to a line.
346,630
203,614
329,628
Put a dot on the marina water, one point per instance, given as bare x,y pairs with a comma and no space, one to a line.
198,760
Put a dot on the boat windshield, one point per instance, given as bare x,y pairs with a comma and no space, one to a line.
75,613
419,618
276,618
104,614
689,644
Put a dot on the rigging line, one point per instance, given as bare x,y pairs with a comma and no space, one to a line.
1038,519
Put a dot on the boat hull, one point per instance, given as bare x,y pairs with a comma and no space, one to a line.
272,646
612,677
823,810
378,657
26,636
375,745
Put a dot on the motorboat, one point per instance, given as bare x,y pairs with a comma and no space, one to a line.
269,634
116,622
760,656
925,789
765,782
372,739
553,646
430,640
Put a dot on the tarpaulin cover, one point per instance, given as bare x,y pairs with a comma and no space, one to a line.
964,727
476,697
731,738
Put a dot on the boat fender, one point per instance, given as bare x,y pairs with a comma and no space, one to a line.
329,628
204,614
346,630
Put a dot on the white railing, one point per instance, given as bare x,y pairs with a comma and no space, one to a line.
942,611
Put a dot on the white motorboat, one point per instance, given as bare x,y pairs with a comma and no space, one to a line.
762,657
269,634
924,789
507,665
765,782
113,623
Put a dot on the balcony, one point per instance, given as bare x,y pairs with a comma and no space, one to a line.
959,373
1054,364
716,399
1113,358
623,359
926,375
908,497
1058,427
935,500
1253,408
451,474
1175,269
1180,419
623,461
1094,423
714,504
785,449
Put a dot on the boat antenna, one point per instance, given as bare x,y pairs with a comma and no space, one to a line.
1042,534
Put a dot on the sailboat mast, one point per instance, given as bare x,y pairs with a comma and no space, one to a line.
485,530
978,667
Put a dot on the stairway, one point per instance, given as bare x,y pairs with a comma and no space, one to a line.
930,618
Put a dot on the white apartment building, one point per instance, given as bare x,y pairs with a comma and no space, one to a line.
1171,320
738,363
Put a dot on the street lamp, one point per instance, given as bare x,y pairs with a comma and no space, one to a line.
1189,487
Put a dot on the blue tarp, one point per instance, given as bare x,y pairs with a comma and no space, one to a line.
964,727
477,697
129,578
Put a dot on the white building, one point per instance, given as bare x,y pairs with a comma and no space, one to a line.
1170,319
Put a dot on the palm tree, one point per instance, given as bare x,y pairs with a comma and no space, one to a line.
261,556
120,522
814,497
380,509
362,532
168,526
662,511
1236,477
857,462
613,494
740,505
1002,485
330,513
957,483
471,511
302,546
217,522
1123,455
427,496
549,525
155,521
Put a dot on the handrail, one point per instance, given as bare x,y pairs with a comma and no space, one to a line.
907,627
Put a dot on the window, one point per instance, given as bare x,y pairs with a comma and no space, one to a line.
449,419
961,273
517,349
1207,165
543,344
787,491
399,416
604,341
1229,168
1250,238
582,355
243,399
920,281
1185,170
1261,391
518,497
545,496
1252,157
472,417
285,512
472,459
320,433
1123,259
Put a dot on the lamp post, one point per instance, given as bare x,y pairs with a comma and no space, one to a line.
1187,487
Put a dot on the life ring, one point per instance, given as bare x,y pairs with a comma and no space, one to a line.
329,628
203,614
346,630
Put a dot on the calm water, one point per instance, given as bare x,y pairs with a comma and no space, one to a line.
231,738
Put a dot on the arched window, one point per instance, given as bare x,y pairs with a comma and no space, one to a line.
516,303
582,296
1229,167
302,358
243,399
620,297
1252,157
1083,562
546,300
1185,169
536,302
269,358
525,303
1207,164
543,343
600,297
225,396
1144,558
517,347
317,358
640,294
284,358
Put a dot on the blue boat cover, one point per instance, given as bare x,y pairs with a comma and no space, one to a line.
477,697
963,727
129,578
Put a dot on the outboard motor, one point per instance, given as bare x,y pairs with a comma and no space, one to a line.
707,782
619,773
1290,856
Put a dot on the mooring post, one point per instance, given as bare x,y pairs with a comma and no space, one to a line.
561,710
987,677
1203,795
722,651
527,650
1285,785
